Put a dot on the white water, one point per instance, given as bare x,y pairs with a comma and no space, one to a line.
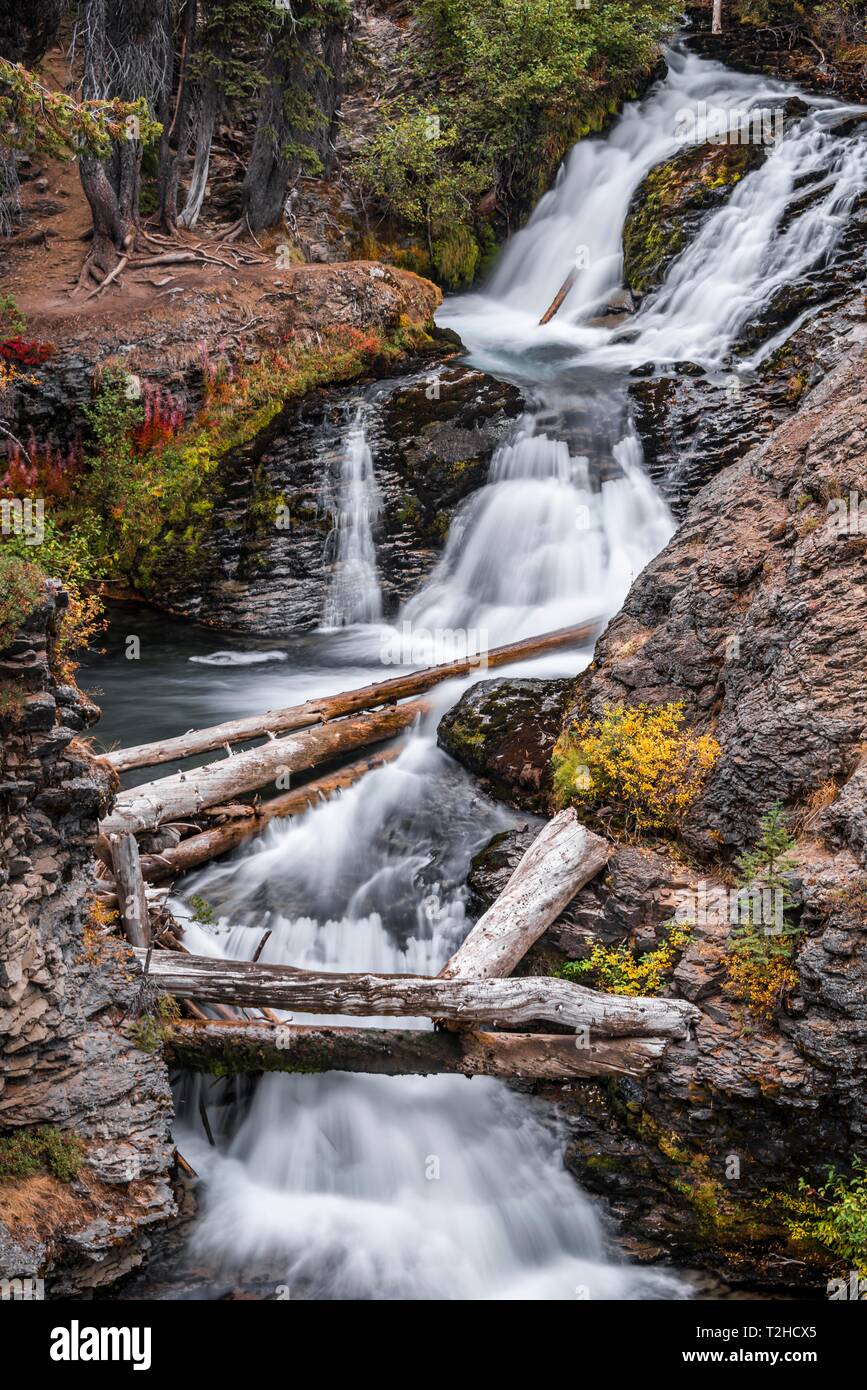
424,1188
734,265
539,547
354,595
388,1187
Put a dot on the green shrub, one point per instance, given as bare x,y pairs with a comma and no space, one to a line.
620,971
760,964
22,587
834,1214
513,84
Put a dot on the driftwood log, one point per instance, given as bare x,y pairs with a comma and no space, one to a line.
558,298
197,849
188,793
466,1001
231,1048
321,711
562,858
132,900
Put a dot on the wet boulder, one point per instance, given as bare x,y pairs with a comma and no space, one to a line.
504,731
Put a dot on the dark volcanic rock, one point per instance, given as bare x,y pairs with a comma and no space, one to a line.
504,730
64,989
261,562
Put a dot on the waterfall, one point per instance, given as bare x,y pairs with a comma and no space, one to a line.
343,1186
354,593
739,258
339,1186
540,547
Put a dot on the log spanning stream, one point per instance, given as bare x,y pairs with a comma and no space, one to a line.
366,1186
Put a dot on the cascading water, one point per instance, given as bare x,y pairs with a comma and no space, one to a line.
360,1186
539,547
739,258
387,1187
354,595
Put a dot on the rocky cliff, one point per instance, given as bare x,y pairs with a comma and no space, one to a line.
85,1150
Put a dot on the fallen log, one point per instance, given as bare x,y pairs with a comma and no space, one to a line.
189,793
231,1048
467,1001
278,721
559,297
197,849
563,857
132,900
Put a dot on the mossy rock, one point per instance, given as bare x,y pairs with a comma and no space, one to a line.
668,206
504,731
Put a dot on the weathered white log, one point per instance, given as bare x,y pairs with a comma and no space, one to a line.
563,857
279,721
197,849
189,793
465,1001
132,900
232,1048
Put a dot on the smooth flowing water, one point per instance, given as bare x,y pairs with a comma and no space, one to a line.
339,1186
355,504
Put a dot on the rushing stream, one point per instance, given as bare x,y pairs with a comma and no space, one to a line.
345,1186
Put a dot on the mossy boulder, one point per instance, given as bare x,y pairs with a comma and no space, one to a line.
668,206
504,731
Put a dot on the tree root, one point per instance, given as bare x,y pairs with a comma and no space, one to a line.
162,250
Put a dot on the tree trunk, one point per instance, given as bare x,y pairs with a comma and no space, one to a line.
223,30
211,101
227,1049
177,122
297,109
127,55
716,23
188,793
334,706
466,1002
562,858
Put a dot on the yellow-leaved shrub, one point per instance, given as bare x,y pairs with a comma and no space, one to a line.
639,762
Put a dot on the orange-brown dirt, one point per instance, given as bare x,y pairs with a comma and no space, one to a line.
171,309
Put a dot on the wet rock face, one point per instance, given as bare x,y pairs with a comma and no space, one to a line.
263,564
433,441
692,425
504,731
63,991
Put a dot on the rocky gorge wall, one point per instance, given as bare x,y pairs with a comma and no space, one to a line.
85,1150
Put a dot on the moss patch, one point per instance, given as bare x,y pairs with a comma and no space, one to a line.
45,1149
